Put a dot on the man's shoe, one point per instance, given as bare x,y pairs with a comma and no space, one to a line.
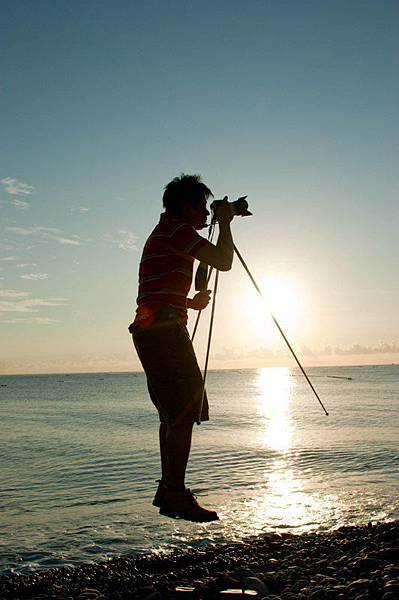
183,505
159,494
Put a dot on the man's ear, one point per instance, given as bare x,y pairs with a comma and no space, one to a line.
187,212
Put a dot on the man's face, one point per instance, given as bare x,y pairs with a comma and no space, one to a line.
197,215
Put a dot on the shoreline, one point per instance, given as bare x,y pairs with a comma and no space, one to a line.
359,562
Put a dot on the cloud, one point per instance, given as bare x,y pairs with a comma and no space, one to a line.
30,321
80,209
24,265
235,353
7,258
123,239
28,306
4,246
382,348
64,241
34,276
20,204
16,188
304,352
13,294
46,233
22,230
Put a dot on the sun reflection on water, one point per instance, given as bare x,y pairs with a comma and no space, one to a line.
273,406
282,500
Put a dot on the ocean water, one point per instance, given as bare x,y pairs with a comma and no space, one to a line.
79,458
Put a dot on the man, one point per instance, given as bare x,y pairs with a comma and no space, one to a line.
160,336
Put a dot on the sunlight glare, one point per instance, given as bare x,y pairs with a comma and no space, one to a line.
274,386
279,297
284,502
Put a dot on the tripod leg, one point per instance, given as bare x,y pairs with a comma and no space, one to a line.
200,311
209,344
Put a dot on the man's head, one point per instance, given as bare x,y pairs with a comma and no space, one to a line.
185,197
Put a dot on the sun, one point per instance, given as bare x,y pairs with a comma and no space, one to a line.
279,298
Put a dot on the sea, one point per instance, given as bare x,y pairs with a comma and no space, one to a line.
79,461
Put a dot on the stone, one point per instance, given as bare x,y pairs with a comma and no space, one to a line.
359,583
318,593
390,553
366,564
391,585
254,583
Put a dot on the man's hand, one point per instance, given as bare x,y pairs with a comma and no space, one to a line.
200,300
224,212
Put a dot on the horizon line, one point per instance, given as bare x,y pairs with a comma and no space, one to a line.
66,373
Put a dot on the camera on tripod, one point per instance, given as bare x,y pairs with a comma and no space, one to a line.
239,207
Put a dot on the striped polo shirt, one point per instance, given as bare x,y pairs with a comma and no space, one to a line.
166,269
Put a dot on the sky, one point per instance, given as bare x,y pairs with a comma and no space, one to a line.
293,103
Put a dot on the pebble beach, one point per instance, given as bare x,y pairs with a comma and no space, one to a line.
354,562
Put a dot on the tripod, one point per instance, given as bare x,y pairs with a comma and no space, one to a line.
211,328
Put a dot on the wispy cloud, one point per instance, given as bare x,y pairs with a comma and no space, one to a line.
235,353
24,265
16,188
34,276
382,348
20,204
305,352
4,246
46,233
21,230
65,241
80,209
30,321
31,305
7,258
123,239
13,294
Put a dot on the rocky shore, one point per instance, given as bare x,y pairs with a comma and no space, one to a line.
357,563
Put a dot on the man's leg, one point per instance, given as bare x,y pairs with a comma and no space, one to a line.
178,446
177,501
163,428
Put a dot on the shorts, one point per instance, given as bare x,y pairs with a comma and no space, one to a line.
174,379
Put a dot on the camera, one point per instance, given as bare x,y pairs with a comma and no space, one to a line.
240,207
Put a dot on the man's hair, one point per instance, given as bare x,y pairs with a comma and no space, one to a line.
186,189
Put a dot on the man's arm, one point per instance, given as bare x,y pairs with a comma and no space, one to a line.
220,256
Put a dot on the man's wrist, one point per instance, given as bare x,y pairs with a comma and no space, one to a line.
224,224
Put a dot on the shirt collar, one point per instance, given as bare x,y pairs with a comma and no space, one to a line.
165,217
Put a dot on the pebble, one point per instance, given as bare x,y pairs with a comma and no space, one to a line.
352,563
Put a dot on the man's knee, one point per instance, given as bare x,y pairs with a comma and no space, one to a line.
180,425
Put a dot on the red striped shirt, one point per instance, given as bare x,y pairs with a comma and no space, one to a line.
166,268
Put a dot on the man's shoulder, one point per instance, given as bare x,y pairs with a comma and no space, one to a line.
172,236
172,226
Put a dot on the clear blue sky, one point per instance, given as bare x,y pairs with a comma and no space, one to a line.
294,103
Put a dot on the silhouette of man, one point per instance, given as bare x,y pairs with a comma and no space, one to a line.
160,336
